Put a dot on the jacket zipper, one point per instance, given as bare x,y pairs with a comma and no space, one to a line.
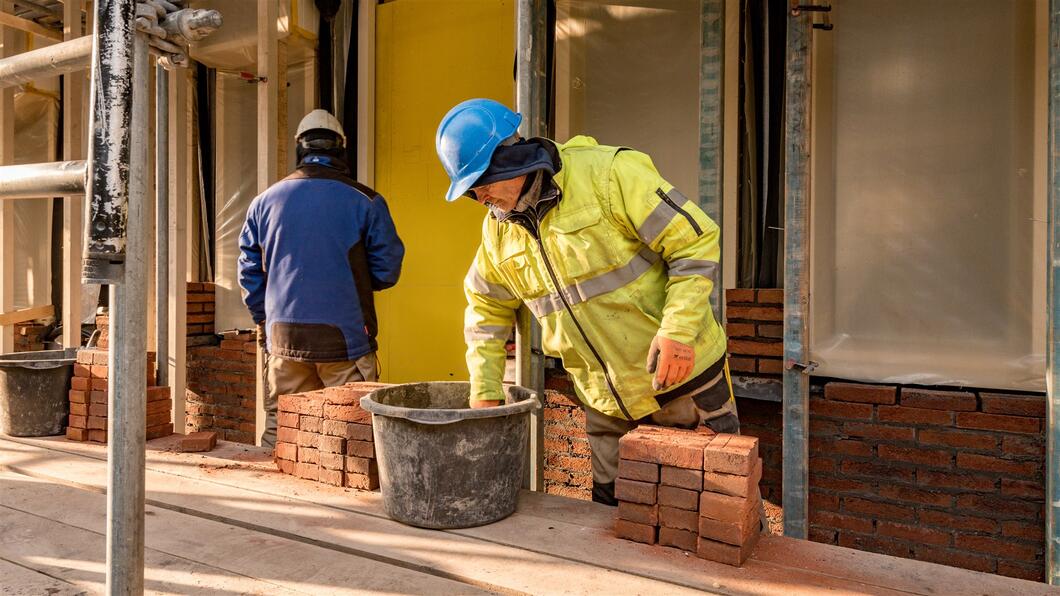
535,232
688,216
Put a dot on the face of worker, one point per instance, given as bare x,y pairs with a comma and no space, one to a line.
503,194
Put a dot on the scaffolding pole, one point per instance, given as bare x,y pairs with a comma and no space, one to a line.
796,274
531,19
51,61
1052,377
162,225
33,181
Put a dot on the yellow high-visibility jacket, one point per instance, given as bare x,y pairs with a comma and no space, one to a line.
621,257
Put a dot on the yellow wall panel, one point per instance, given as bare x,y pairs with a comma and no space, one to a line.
431,55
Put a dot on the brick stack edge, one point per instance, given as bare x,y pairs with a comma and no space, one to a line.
29,337
690,490
88,399
326,437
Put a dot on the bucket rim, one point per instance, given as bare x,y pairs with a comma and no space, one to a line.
47,359
528,400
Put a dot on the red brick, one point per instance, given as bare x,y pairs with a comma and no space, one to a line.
999,422
769,366
79,384
287,419
287,435
81,371
307,470
987,463
159,407
199,441
740,330
78,397
678,498
157,394
638,513
878,510
361,481
742,365
635,532
97,436
159,419
573,464
99,357
76,434
328,444
635,492
681,519
878,432
332,477
308,455
1013,445
735,533
97,397
347,414
823,500
996,546
720,552
822,535
839,409
958,438
99,371
955,558
771,331
738,295
924,457
733,484
360,465
771,296
949,521
684,478
309,423
1023,488
917,534
333,461
840,447
682,449
97,423
854,392
1019,529
875,544
907,415
731,454
842,484
746,347
998,507
97,384
938,400
1015,405
301,404
839,520
754,313
363,449
307,439
77,409
726,508
961,480
1034,573
821,465
899,492
640,471
288,451
678,538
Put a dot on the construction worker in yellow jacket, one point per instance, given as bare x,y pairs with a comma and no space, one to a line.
613,261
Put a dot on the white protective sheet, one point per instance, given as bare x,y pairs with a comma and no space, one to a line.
627,73
36,135
927,233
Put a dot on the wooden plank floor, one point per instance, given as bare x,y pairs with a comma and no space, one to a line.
227,523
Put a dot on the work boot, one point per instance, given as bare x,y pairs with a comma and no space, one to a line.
604,493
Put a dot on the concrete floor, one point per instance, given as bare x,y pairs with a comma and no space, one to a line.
227,523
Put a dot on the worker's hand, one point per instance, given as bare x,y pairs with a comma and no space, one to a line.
671,361
486,403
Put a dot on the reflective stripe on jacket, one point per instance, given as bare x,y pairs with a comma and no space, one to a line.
622,256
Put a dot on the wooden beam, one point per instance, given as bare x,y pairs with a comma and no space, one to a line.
27,314
73,206
268,107
10,20
7,208
181,156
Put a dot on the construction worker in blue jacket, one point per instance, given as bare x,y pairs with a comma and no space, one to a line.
314,248
613,261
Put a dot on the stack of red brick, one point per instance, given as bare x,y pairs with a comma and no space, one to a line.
201,305
88,399
29,337
691,490
326,437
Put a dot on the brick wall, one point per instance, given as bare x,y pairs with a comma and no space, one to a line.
567,463
200,301
29,337
221,388
764,421
952,477
755,327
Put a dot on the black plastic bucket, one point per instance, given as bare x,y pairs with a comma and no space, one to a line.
444,465
34,399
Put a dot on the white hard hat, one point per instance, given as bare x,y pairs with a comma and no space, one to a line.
320,119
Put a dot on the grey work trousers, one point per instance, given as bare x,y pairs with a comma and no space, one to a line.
284,377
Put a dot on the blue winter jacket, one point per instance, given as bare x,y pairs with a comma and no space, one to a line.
314,247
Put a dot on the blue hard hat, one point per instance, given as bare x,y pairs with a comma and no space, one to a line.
467,137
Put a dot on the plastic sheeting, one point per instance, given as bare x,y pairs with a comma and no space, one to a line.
926,240
36,135
235,45
628,74
237,176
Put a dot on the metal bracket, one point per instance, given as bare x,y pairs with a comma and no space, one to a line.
824,26
797,9
803,367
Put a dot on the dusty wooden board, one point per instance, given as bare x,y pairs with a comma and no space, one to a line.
22,581
565,530
244,560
